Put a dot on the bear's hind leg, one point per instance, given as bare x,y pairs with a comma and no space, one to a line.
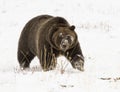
25,58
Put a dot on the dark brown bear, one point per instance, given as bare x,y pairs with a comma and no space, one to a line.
47,37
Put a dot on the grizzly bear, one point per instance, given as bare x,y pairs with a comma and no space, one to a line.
47,37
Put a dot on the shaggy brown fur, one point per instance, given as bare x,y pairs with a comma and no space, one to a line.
47,37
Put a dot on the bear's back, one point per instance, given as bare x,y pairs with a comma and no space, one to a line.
50,25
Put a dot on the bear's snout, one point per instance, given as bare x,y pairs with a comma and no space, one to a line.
66,42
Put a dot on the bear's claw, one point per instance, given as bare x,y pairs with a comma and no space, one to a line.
79,65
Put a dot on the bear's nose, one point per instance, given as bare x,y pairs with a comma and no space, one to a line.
64,46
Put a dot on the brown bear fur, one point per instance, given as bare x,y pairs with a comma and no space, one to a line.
47,37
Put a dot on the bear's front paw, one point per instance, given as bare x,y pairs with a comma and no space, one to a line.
78,63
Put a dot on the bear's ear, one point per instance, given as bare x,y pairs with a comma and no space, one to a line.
72,27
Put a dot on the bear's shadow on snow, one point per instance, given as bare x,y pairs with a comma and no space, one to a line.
37,68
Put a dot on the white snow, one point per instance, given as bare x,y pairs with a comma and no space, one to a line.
98,27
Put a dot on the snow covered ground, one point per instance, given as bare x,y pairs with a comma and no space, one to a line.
98,27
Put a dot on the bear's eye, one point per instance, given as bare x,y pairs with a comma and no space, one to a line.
70,37
61,35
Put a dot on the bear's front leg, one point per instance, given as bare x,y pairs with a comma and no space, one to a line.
76,57
47,60
78,62
51,61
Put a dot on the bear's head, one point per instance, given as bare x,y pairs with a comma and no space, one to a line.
64,38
